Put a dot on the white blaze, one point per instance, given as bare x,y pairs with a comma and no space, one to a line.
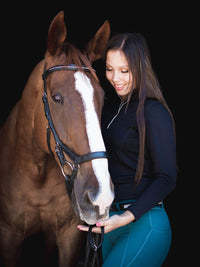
100,166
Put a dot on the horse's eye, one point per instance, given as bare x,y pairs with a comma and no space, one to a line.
57,98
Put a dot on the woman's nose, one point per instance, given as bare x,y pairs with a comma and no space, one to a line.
116,76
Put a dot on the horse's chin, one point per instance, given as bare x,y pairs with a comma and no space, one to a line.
92,217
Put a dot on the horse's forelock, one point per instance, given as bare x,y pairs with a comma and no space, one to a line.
70,54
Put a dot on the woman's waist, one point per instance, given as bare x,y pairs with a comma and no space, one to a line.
124,204
130,178
129,189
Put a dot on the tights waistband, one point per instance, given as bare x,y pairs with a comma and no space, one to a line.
123,205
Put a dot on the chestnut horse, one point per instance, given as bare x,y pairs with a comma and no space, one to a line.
33,195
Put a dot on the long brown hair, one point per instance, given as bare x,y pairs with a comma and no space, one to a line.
135,49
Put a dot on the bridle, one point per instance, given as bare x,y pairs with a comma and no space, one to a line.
60,147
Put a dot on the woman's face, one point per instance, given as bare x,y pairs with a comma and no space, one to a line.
118,73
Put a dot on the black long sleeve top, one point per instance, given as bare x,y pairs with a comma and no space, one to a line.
120,133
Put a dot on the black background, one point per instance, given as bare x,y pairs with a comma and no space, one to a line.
168,30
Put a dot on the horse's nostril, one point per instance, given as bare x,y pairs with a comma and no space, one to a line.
101,205
92,197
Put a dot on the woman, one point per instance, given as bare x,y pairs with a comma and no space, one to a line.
139,134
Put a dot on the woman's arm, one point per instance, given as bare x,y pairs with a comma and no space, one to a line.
160,142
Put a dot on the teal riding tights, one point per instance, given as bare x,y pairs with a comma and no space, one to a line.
144,243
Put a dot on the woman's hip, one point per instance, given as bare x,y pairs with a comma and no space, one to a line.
145,241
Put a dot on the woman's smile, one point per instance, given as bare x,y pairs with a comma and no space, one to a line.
119,86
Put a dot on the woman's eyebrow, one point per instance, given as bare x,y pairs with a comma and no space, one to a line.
123,66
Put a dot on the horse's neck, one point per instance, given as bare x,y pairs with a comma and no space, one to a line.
17,132
8,132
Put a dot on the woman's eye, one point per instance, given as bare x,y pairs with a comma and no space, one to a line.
124,71
108,69
57,98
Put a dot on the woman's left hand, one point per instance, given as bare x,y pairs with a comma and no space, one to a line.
111,223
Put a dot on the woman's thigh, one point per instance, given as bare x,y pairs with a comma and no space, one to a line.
139,244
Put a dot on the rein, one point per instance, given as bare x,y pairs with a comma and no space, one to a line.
60,147
91,246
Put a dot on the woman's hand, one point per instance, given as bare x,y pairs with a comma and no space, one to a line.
111,223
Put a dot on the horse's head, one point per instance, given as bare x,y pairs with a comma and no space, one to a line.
75,99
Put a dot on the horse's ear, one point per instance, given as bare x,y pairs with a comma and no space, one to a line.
56,35
96,46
